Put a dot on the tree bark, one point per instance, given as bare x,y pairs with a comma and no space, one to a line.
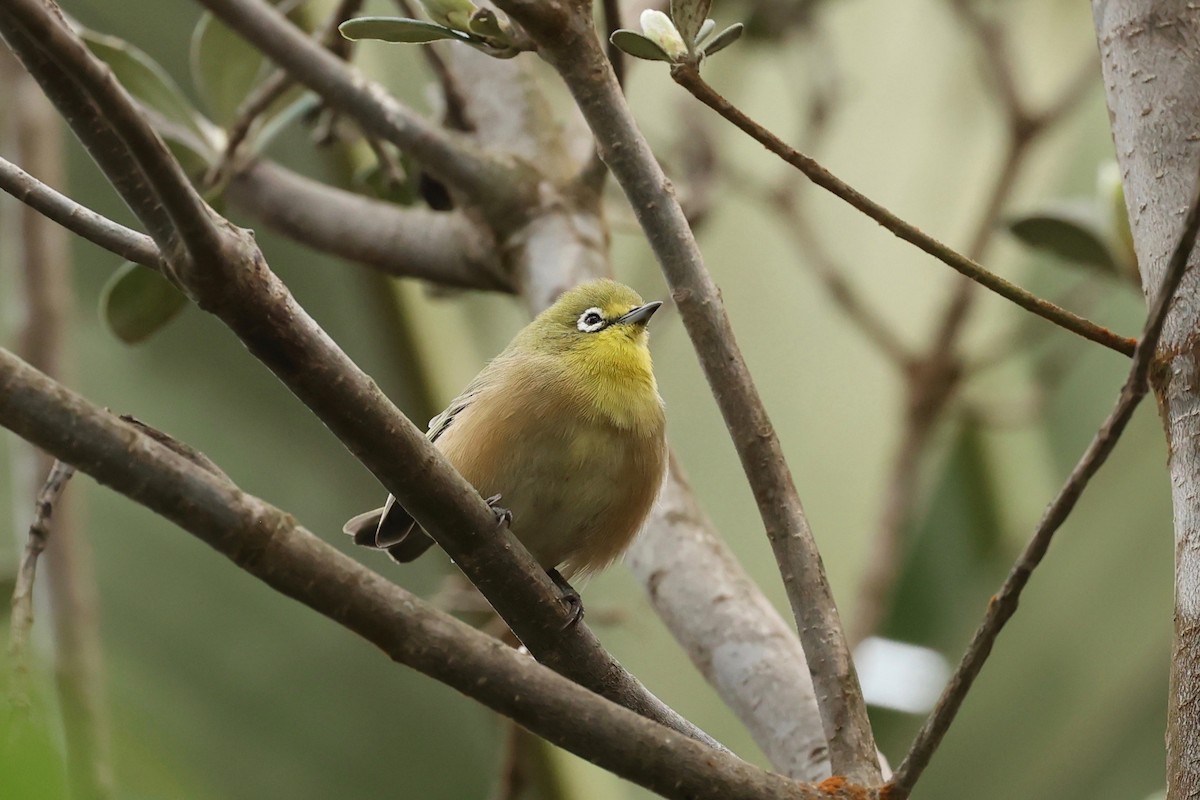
1150,56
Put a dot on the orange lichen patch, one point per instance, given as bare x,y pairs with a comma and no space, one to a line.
839,788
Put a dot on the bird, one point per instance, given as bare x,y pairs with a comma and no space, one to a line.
565,427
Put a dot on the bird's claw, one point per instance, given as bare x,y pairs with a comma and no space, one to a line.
504,517
569,597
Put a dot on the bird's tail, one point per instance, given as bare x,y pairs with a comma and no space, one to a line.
389,528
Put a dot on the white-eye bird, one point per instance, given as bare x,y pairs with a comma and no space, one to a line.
565,426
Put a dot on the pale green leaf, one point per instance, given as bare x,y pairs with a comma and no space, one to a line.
638,46
397,29
724,39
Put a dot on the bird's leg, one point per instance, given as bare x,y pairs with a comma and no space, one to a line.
503,515
570,598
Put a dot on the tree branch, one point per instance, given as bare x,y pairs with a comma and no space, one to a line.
566,37
268,544
99,230
22,596
498,185
690,79
446,248
1004,603
731,632
236,285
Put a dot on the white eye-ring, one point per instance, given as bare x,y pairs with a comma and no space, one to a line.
591,320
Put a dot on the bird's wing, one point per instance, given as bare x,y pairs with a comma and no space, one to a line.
397,532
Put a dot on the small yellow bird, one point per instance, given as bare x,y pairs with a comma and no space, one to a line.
565,428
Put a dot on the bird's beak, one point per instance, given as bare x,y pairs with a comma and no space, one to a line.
639,316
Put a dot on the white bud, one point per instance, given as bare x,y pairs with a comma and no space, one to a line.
658,28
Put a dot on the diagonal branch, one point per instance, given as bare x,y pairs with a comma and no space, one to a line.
97,229
690,79
567,39
1004,603
235,283
269,544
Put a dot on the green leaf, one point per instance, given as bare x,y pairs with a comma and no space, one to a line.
138,301
638,46
724,39
397,29
143,78
707,28
225,67
1076,231
689,17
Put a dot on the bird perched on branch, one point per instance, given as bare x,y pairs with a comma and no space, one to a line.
565,429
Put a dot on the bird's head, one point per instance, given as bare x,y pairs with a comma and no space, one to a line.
601,320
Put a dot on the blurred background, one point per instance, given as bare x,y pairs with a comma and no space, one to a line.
219,688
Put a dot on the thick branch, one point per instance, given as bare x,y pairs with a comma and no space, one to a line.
690,79
236,285
446,248
1152,82
268,543
567,39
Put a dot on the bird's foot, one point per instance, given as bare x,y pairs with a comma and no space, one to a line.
569,597
504,517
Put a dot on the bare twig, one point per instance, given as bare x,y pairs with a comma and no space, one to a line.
234,282
690,79
1004,603
22,598
269,544
128,244
567,39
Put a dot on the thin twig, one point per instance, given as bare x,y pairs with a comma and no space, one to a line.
269,544
1004,603
114,237
567,39
690,79
22,598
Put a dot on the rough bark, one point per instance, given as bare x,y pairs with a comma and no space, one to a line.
1150,56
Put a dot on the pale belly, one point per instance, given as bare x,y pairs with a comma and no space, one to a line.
578,493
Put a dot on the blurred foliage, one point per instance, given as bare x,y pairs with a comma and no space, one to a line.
222,689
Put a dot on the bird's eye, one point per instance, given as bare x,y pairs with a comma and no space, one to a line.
591,321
